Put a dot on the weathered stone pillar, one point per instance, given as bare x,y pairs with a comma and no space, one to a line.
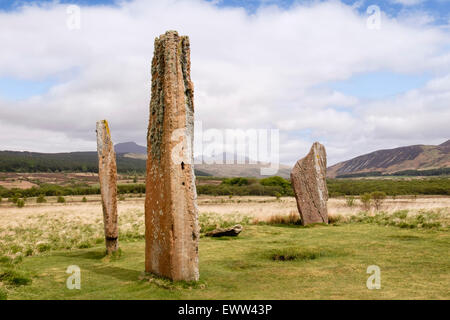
171,214
310,186
107,173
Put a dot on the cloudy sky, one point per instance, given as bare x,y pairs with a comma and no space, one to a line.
315,70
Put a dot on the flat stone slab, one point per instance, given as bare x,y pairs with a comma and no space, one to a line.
225,232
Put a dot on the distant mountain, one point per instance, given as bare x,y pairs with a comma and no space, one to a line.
446,144
129,147
222,170
390,161
15,161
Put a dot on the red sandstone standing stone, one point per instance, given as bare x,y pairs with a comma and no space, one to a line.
107,173
171,214
310,187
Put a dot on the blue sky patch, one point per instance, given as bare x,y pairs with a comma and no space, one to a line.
376,85
439,9
15,89
10,5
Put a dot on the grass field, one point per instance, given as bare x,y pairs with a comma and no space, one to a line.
331,264
411,246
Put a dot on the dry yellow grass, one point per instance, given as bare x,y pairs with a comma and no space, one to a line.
254,206
19,184
261,208
39,228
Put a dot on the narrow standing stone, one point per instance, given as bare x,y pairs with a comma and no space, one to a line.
107,173
310,186
171,214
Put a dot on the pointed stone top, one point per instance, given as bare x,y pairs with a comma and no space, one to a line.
104,142
105,124
318,148
171,34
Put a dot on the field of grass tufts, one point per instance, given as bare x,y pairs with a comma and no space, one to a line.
276,259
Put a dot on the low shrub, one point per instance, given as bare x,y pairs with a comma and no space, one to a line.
403,219
14,277
3,294
350,201
41,199
336,218
292,218
211,221
20,203
366,201
378,197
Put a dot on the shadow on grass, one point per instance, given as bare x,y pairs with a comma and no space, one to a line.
405,237
225,238
116,272
295,226
89,255
301,254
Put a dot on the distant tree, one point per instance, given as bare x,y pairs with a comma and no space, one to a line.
350,201
366,201
378,198
20,203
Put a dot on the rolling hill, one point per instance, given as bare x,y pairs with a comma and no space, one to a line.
223,170
14,161
410,160
131,157
391,161
130,147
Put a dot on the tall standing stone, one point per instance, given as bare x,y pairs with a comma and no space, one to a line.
171,214
310,186
107,173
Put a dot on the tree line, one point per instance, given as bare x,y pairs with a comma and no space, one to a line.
12,161
271,186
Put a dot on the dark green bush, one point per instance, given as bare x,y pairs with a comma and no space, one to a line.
237,181
252,186
20,203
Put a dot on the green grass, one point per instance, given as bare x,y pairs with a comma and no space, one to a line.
14,277
321,262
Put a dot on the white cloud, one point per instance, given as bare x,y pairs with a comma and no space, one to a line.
250,71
